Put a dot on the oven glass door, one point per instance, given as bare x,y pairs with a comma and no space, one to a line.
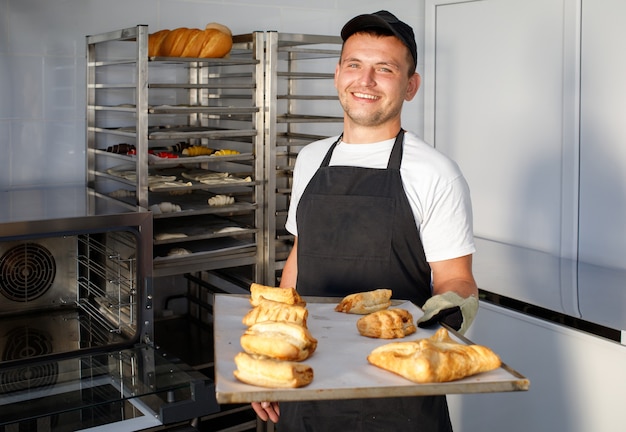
133,388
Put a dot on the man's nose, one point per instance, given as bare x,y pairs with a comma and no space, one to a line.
367,77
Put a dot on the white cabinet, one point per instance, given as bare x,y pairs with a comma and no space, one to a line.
528,97
602,234
577,381
498,82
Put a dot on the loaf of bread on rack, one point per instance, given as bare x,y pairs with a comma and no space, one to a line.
266,372
214,41
435,359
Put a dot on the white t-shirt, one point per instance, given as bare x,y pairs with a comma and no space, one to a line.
435,187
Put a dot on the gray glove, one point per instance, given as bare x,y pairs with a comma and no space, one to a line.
451,309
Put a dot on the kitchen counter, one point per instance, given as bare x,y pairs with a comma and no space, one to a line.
580,295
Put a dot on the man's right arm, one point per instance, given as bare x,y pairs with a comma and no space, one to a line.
290,271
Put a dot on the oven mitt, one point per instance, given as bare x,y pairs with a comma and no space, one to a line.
451,309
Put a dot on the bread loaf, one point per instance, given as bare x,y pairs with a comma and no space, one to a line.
215,41
220,27
174,43
155,40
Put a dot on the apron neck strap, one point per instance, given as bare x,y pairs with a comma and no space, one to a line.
396,153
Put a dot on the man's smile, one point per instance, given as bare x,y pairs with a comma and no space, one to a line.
366,96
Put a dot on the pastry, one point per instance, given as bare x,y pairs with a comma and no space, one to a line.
197,151
266,372
387,324
268,310
436,359
178,252
282,295
169,236
365,302
220,200
279,340
226,152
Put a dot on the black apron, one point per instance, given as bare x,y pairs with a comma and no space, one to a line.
356,232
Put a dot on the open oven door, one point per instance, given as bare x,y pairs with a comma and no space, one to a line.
125,390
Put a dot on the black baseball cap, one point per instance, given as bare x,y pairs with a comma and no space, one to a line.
383,20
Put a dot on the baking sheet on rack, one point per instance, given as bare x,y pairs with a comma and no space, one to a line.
340,362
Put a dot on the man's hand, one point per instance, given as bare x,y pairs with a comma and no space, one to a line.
267,410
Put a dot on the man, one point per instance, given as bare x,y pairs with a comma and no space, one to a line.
378,207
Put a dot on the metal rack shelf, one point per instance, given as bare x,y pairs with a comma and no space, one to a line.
303,108
215,103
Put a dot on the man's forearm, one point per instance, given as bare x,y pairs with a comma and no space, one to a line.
290,271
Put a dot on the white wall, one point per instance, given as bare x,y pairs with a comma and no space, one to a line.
42,65
501,107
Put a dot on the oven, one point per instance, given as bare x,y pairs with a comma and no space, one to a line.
76,319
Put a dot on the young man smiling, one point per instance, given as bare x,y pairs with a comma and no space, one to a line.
378,207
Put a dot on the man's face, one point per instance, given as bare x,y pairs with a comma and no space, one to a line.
372,79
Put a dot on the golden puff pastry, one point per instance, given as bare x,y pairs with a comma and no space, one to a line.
367,302
278,294
267,372
269,310
279,340
387,324
436,359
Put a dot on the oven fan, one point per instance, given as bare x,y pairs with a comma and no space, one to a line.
24,342
27,272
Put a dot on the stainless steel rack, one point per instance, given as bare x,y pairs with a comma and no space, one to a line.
157,105
113,303
302,107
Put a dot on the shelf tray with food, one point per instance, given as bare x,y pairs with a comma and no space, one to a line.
177,230
339,363
199,202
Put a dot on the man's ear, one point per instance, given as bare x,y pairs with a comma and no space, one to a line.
413,87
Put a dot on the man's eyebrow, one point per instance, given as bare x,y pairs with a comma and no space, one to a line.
380,63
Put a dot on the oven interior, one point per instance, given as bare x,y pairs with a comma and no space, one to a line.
67,293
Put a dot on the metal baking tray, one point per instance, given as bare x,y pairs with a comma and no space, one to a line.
340,366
